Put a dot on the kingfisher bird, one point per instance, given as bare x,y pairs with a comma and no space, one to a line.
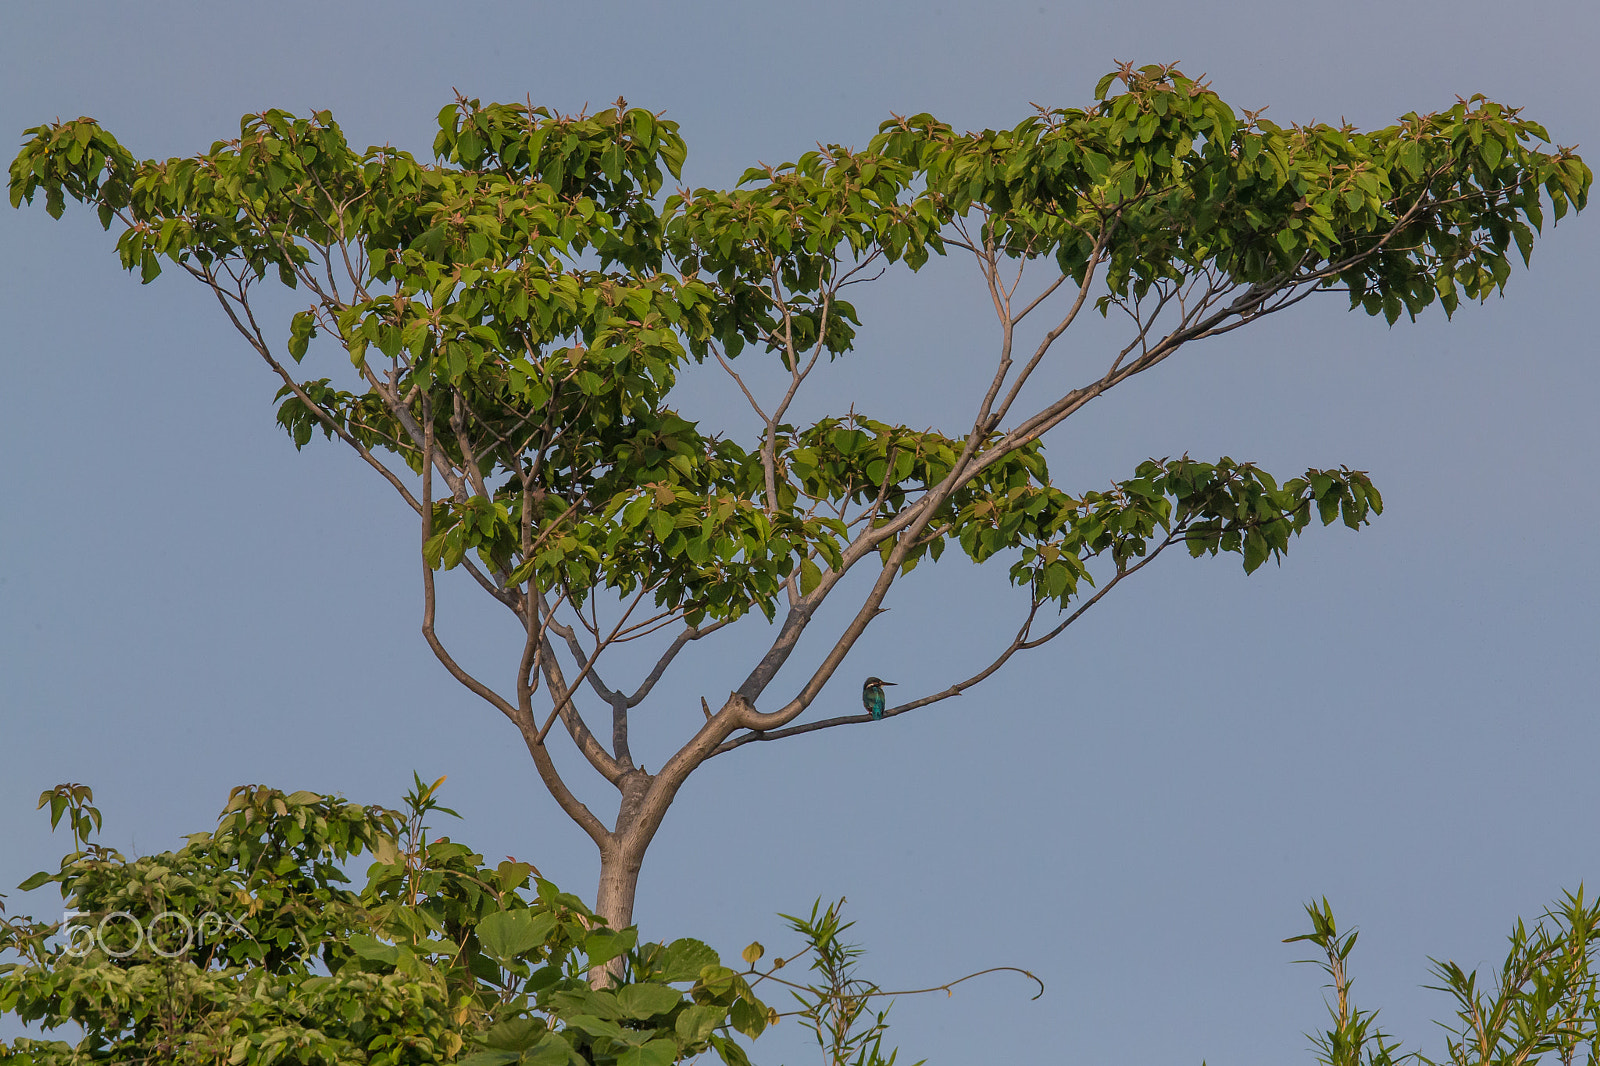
872,696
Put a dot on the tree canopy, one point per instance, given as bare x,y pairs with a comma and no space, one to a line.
498,333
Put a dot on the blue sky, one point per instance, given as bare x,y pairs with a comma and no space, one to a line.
1402,720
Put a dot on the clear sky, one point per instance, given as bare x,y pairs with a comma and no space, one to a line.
1402,720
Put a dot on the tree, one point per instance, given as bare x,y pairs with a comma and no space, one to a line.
516,313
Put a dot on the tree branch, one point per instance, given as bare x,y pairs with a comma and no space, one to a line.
258,342
1018,643
428,600
679,642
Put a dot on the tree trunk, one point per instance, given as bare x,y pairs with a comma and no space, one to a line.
619,881
620,859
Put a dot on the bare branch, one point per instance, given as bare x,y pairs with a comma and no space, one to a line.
472,683
679,642
519,716
1049,339
619,764
1048,292
258,342
469,459
755,405
1018,643
772,976
570,636
494,588
561,695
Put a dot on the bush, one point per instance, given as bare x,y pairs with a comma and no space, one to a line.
247,947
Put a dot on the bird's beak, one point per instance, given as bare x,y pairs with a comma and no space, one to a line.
888,682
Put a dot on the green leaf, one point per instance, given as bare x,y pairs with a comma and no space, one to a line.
643,1001
682,960
655,1053
509,934
661,525
551,1051
1256,551
698,1021
489,1058
368,947
516,1034
729,1051
588,1023
602,946
810,576
748,1017
302,327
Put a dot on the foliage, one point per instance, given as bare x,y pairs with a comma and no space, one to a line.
511,319
1543,1002
438,958
838,1010
565,368
247,947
